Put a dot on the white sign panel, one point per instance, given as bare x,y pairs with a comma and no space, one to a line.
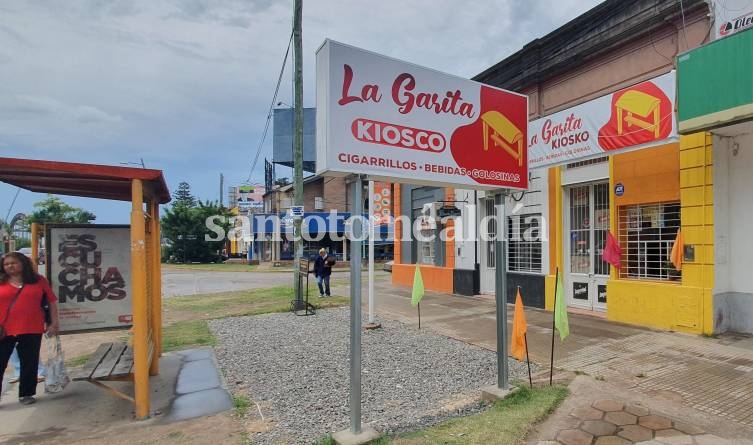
296,210
90,272
731,16
636,117
390,119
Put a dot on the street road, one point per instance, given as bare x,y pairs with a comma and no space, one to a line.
192,282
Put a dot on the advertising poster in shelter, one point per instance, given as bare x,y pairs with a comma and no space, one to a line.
90,272
396,121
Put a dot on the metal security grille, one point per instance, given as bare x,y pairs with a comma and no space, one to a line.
587,162
601,226
580,229
524,238
647,234
589,225
491,230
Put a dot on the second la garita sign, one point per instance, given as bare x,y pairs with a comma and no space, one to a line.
390,119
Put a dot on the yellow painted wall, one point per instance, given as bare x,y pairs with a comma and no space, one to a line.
686,305
697,222
662,305
668,173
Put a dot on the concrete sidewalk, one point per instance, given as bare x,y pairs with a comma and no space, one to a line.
706,383
189,386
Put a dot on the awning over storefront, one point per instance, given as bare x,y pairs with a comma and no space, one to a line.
715,84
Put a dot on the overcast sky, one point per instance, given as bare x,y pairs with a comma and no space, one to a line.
186,85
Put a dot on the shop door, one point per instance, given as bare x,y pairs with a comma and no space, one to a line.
587,225
488,260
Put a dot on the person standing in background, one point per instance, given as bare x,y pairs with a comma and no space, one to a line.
322,271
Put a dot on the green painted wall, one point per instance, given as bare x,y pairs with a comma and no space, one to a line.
715,77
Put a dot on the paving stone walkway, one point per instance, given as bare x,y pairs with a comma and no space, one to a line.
596,414
611,422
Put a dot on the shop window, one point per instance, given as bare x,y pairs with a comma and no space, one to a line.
647,234
524,238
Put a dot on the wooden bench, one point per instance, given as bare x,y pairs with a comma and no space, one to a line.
110,362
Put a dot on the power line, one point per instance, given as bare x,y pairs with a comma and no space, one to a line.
271,107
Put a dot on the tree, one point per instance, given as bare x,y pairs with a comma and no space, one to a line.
53,210
282,182
186,228
183,195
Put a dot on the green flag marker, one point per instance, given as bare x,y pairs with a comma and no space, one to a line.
418,287
560,310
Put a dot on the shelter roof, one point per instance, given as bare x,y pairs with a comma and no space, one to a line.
87,180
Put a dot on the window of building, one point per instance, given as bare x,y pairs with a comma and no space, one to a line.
524,241
647,234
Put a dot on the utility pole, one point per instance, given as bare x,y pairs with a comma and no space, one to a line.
298,140
222,186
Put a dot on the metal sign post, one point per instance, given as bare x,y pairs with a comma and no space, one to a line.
500,291
355,308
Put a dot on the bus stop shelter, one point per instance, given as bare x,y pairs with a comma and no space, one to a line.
146,190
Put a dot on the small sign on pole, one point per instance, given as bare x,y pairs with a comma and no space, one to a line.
296,211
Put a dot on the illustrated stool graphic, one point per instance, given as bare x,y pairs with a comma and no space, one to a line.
636,103
503,133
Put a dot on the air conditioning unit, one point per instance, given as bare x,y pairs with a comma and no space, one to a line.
318,203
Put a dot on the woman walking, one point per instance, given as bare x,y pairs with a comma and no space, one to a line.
23,320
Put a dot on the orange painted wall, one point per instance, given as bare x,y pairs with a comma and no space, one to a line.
650,175
435,278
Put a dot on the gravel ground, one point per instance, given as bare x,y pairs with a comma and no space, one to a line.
296,369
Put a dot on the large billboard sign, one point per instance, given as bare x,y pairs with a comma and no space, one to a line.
393,120
639,116
90,272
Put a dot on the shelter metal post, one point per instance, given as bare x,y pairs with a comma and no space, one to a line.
35,246
156,286
139,301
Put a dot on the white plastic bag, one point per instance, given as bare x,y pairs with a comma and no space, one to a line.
57,376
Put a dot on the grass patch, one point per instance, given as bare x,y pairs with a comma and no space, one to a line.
77,361
507,422
246,302
185,334
190,314
241,404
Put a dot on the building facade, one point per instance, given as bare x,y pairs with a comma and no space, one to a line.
641,195
718,99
